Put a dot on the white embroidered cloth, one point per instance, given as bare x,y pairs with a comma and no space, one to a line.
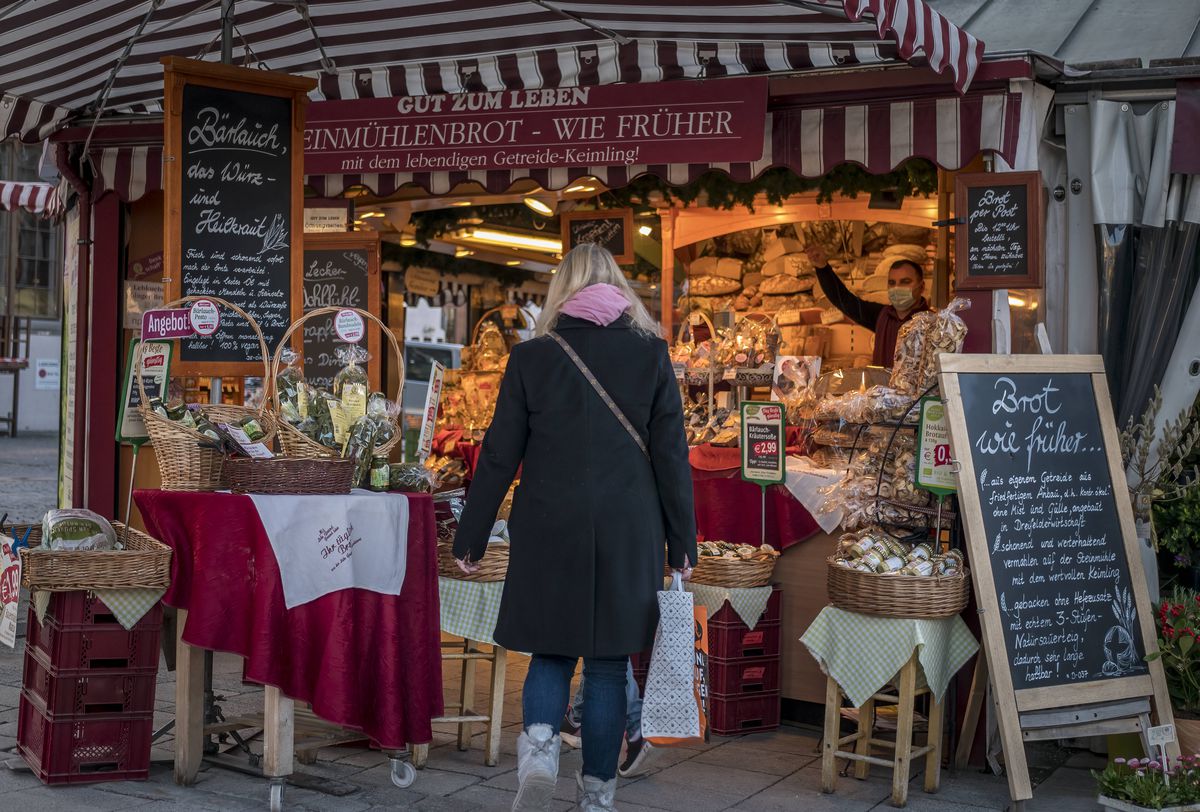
805,482
326,543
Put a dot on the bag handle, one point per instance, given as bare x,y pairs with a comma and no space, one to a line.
608,401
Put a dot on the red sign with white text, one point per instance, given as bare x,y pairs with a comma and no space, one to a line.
159,324
715,120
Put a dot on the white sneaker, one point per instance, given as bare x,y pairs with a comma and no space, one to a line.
537,767
594,795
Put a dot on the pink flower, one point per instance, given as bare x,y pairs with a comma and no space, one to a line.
1154,765
1134,763
1118,760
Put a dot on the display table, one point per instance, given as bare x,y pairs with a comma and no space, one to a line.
364,660
748,603
730,509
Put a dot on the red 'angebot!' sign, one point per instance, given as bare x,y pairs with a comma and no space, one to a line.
159,324
721,120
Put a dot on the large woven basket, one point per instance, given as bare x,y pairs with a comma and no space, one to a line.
144,564
493,567
293,441
903,596
284,475
739,573
185,463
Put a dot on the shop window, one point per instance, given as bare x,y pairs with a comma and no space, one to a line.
1025,309
29,245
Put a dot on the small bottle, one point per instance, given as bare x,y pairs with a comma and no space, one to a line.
922,552
252,427
380,476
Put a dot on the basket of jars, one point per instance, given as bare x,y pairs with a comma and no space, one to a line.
723,563
185,437
289,475
750,349
349,422
873,573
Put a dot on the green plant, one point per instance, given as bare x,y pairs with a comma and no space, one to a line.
1145,782
1179,649
1159,471
1177,527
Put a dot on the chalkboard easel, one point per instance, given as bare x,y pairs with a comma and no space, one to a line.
1063,602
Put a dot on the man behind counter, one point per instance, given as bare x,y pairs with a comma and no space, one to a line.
906,292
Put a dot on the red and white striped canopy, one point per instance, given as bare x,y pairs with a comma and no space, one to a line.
39,198
59,55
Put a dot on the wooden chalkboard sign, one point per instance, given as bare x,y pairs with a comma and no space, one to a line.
1058,574
233,181
612,228
340,270
1000,230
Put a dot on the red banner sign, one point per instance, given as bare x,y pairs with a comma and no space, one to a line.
159,324
719,120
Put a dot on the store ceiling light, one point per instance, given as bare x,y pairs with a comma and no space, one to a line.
367,214
461,203
408,240
512,263
1015,301
645,231
489,236
539,206
463,252
580,187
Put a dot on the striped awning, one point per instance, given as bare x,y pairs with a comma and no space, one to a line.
39,198
59,55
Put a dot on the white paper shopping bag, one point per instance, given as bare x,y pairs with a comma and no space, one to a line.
673,707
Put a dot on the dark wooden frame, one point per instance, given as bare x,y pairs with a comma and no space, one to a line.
177,74
1032,181
351,240
626,256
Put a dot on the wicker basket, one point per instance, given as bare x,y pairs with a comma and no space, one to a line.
293,441
144,564
739,573
700,377
184,464
283,475
904,596
493,567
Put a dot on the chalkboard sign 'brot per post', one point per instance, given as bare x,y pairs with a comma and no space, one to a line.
1000,230
1066,616
233,181
611,229
340,270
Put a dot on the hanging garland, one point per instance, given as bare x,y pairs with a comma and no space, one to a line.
449,264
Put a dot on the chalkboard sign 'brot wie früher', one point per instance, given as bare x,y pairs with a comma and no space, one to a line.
340,270
1059,580
611,228
233,202
999,230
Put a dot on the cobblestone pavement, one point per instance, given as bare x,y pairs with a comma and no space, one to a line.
28,475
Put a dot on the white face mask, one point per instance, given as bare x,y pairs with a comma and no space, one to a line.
901,298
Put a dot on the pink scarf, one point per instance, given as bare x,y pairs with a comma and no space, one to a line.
600,304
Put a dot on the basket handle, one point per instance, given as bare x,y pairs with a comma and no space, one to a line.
686,323
529,319
329,311
262,346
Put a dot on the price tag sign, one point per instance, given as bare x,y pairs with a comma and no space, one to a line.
205,317
935,469
1161,736
159,324
349,326
155,371
763,447
433,396
10,593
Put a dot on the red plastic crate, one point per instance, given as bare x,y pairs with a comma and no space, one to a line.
79,751
733,641
86,693
746,713
743,676
106,647
84,608
727,615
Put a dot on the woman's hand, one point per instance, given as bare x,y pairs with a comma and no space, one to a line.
817,256
466,565
686,572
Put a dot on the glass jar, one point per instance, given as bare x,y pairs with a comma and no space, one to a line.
380,476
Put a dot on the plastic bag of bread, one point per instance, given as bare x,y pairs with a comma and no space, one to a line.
945,335
910,348
77,530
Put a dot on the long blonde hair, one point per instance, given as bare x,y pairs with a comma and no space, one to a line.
589,264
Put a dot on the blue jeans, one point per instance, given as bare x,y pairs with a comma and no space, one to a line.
633,706
548,689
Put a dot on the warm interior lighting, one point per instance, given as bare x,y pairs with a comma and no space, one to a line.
580,187
489,236
512,263
461,203
367,214
538,206
1015,301
645,231
408,240
463,252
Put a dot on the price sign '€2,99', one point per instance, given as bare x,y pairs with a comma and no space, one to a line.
763,446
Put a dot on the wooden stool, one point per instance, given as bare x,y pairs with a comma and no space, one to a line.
469,654
904,752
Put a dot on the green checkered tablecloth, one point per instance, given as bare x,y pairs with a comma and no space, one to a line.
469,608
127,605
749,603
863,653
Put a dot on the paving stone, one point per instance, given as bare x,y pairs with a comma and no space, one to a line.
449,757
480,797
56,799
692,787
429,781
967,788
742,756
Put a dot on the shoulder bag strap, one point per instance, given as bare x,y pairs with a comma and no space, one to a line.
608,401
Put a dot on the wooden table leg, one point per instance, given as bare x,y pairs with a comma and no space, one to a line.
832,734
496,712
970,723
279,723
904,732
420,755
866,726
189,706
933,760
467,697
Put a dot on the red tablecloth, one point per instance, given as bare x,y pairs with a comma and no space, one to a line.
730,509
366,661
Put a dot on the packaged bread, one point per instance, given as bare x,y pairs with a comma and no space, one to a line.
780,285
77,530
712,286
910,344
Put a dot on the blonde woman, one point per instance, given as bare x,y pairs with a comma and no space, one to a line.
591,412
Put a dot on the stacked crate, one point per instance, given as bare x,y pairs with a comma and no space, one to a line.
743,670
87,702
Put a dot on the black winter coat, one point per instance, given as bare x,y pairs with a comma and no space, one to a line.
591,516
